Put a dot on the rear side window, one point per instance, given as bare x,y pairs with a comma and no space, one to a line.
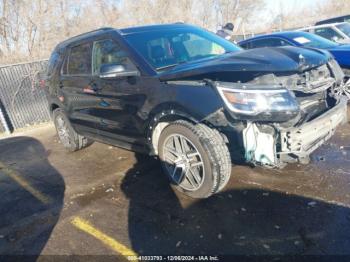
53,61
79,60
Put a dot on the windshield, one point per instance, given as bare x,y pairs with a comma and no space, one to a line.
345,28
164,49
314,41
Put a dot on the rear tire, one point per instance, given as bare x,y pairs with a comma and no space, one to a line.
70,139
195,158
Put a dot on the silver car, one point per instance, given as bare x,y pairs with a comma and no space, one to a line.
337,32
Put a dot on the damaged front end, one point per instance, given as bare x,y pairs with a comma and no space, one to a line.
287,117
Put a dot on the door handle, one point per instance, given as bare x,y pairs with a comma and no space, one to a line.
91,88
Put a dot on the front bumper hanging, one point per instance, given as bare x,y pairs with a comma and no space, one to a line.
266,146
303,140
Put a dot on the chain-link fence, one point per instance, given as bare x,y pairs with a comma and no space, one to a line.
22,101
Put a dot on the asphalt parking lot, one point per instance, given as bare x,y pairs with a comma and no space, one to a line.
107,201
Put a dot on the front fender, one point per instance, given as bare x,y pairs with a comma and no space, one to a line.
187,100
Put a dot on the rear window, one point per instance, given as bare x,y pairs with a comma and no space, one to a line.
79,60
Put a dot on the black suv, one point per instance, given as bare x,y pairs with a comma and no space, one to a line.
194,100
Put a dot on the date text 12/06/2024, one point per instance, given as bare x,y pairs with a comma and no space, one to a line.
173,258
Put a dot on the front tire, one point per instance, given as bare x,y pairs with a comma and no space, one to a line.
70,139
195,158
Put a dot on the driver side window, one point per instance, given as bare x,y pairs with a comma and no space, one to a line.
269,42
107,52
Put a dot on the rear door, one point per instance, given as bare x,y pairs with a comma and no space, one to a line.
76,89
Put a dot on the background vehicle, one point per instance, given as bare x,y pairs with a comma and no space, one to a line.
340,52
194,99
338,19
337,32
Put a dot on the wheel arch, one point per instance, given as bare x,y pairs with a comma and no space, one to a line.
53,106
161,118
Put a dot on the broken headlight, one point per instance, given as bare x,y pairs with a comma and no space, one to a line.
253,100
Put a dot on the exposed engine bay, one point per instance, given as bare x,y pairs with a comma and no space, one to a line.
281,131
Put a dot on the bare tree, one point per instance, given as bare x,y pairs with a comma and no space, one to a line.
329,8
294,17
30,29
238,12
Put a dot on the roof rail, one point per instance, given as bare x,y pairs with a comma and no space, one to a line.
93,31
87,33
96,30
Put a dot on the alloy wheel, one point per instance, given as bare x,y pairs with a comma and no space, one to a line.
63,131
183,162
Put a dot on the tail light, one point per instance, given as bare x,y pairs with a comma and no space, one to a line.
42,83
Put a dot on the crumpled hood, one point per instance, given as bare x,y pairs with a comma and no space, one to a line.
242,65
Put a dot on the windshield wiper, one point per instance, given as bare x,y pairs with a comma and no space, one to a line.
170,66
167,66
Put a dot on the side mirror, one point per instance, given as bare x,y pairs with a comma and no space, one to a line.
116,70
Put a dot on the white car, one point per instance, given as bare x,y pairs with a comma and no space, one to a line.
337,32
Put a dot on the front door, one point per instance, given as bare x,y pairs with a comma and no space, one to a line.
120,98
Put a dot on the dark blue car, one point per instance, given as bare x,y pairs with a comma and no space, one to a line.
341,52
